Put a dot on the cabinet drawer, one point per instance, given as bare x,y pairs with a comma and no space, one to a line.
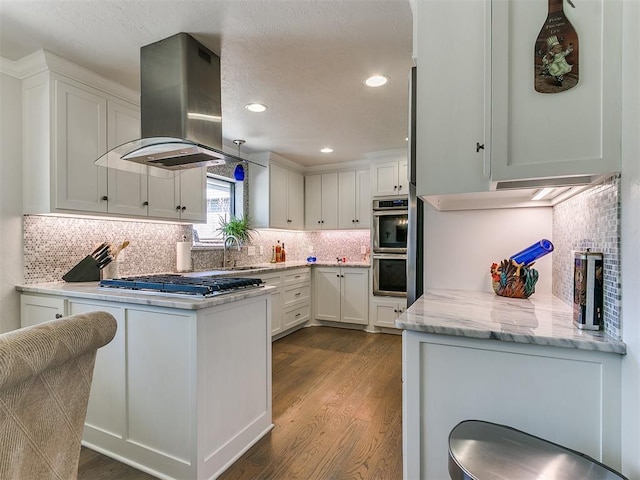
36,309
271,280
297,276
296,294
297,316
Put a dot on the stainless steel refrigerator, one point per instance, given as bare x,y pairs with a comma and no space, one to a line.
415,231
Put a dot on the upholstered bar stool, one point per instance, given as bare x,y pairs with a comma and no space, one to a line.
487,451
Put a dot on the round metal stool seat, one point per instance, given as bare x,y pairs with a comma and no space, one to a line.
487,451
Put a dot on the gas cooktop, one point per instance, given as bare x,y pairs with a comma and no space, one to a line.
206,286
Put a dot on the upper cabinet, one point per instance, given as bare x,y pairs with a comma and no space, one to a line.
321,201
354,192
390,178
276,193
71,117
518,101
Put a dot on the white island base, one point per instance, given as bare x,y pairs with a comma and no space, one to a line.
182,391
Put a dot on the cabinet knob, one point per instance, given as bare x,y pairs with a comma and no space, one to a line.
178,207
298,294
145,204
105,198
357,221
353,221
337,276
399,187
395,187
59,315
319,221
479,147
298,314
184,208
395,310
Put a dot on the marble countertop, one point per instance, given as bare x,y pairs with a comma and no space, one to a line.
270,267
91,290
539,320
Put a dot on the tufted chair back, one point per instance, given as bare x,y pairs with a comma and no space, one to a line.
45,379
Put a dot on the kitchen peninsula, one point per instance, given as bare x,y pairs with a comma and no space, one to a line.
519,362
185,386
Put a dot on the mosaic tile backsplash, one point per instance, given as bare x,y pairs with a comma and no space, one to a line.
53,245
591,220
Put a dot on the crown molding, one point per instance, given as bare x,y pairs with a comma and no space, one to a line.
43,60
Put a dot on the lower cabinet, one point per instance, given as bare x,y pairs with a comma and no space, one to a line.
384,311
341,294
177,393
291,302
36,309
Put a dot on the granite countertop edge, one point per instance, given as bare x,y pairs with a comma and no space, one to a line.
478,315
91,291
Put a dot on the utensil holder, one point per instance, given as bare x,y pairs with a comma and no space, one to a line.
85,271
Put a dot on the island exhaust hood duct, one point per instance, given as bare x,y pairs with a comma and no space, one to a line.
181,111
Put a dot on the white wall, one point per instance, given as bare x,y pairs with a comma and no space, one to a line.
631,240
10,201
460,246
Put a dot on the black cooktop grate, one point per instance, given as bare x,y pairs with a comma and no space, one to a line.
205,286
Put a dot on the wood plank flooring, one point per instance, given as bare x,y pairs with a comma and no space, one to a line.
337,412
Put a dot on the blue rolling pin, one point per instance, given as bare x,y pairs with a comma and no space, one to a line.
533,252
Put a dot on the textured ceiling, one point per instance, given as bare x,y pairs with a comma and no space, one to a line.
305,59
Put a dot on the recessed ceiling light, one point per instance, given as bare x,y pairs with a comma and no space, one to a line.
255,107
327,150
376,81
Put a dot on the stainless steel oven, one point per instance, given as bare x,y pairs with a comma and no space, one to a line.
389,275
390,223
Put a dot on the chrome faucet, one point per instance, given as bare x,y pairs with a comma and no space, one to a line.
228,240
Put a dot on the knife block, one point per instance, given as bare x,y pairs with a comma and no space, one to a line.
85,271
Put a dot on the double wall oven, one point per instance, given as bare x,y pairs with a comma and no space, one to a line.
390,223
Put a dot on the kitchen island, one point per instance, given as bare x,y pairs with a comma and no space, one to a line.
185,386
518,362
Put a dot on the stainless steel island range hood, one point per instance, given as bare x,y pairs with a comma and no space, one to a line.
181,111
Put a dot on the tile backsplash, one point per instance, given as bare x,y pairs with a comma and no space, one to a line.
53,245
590,219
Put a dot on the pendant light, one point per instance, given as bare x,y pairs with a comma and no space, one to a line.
238,172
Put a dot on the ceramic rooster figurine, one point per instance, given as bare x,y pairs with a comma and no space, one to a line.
512,279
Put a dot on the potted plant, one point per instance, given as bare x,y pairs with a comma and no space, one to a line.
239,227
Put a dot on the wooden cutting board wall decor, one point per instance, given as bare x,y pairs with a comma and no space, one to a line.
556,66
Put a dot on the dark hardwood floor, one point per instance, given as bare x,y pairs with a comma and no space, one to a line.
337,412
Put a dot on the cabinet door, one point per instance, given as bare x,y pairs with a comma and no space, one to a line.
106,412
164,197
35,309
127,191
363,199
347,194
278,186
81,137
193,187
386,313
326,293
450,106
385,177
330,201
572,132
313,202
295,200
403,179
354,303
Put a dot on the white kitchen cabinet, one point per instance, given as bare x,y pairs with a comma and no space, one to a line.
385,311
321,201
341,294
36,309
354,193
179,393
180,198
390,178
565,395
276,194
126,191
291,302
485,127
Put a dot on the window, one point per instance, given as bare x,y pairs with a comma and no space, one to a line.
220,203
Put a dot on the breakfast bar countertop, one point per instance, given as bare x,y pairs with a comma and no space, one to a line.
540,320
